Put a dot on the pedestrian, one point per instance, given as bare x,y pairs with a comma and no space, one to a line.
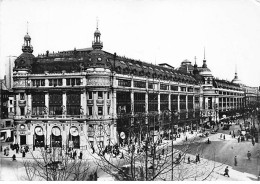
179,155
23,153
248,155
80,155
238,139
226,171
17,150
224,137
253,141
235,160
199,158
220,136
188,159
5,151
74,154
122,156
14,157
230,133
208,141
186,138
163,151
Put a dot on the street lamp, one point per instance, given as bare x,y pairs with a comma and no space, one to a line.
174,114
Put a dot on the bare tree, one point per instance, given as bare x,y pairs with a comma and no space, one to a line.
55,165
147,158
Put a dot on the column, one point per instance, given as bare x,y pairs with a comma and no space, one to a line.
47,102
170,101
83,101
64,103
159,102
29,104
146,102
63,82
187,109
114,105
46,82
178,101
17,105
132,102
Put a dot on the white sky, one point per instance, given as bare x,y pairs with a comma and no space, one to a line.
153,31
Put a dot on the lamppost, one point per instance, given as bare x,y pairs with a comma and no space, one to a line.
174,114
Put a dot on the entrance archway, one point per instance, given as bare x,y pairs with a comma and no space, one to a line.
56,138
74,138
38,137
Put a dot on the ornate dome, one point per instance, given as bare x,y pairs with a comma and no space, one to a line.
98,59
236,80
27,37
24,61
97,31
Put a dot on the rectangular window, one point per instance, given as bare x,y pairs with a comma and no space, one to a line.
183,88
100,111
122,82
68,82
22,111
59,82
174,88
37,82
163,87
73,103
21,96
55,82
50,82
108,110
8,123
11,109
34,82
43,82
150,85
78,81
11,102
108,95
100,95
90,110
139,84
38,103
72,82
190,89
89,95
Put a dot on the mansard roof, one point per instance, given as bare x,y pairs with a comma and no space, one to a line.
226,84
79,59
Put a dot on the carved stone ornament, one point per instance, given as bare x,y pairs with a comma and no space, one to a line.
101,81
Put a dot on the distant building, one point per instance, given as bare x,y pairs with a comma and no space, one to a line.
9,65
6,122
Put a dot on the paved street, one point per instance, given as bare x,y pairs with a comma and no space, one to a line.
224,151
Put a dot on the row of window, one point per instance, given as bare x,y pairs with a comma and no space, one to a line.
56,82
230,93
142,84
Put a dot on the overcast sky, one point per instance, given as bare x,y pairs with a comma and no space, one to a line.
153,31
